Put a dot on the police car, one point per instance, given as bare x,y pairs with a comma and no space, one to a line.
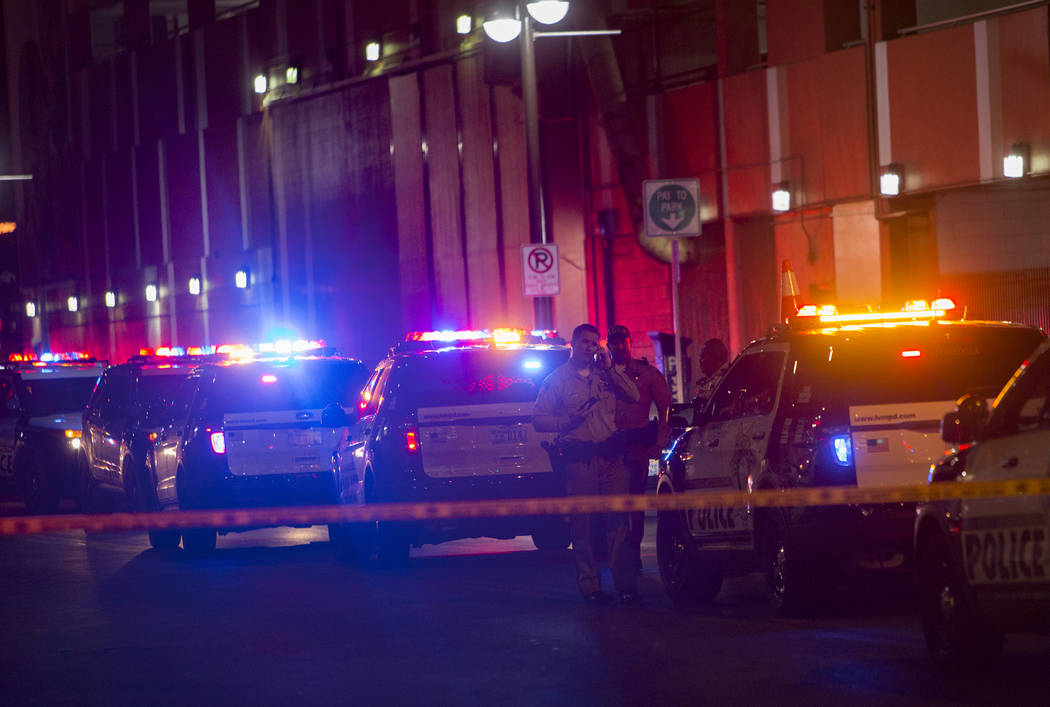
255,432
447,416
984,563
833,399
41,402
128,406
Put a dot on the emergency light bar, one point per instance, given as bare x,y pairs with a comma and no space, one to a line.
912,311
49,357
282,347
501,335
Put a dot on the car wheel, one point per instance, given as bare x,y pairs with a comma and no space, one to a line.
39,489
198,540
688,577
955,636
554,535
146,500
791,582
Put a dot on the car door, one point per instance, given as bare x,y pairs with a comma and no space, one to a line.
1007,540
728,450
170,437
115,412
353,456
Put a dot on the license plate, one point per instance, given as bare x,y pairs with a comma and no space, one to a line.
509,435
304,438
1001,555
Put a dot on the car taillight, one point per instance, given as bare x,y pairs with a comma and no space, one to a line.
412,440
218,442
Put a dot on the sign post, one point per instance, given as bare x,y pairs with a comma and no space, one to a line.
540,274
672,209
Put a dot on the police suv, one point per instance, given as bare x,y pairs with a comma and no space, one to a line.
447,416
41,402
834,399
129,405
984,563
255,432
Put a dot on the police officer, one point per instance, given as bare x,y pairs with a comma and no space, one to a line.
578,401
714,359
643,437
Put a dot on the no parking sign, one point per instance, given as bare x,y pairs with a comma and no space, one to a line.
540,270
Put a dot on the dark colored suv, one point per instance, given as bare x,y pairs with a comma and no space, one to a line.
130,404
255,433
446,419
850,401
41,404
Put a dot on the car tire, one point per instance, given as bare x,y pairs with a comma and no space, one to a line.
687,576
40,490
199,541
956,638
145,500
791,580
552,536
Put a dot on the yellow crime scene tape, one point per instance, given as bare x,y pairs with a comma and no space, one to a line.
562,505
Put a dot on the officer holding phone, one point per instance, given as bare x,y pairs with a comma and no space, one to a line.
578,401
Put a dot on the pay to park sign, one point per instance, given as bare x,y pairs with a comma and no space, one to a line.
672,207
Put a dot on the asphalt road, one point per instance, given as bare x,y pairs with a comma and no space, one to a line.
271,619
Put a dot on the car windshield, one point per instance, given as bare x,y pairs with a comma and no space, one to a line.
52,395
295,385
475,376
913,364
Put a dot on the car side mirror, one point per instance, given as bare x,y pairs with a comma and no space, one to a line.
677,422
333,415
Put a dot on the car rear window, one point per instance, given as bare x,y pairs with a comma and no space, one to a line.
910,364
157,391
474,376
45,397
295,385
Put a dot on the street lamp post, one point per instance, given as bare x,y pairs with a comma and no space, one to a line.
504,29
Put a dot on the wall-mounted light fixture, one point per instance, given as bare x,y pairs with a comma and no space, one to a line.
890,180
72,303
372,51
781,197
464,23
195,285
260,83
291,74
241,279
1015,164
151,292
111,299
30,309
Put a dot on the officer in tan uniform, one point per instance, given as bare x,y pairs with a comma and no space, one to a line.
578,401
644,437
